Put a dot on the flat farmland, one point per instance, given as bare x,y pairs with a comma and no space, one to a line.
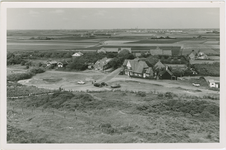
47,45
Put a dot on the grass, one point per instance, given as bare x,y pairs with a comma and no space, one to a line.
15,135
112,117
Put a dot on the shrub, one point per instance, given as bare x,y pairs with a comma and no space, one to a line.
169,95
140,93
37,70
19,76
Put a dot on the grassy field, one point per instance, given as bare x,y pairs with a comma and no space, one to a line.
112,117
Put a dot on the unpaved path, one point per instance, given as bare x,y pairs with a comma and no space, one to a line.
110,75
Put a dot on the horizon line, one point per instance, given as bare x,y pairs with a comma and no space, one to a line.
123,29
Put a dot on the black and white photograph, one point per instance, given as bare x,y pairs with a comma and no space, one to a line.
114,74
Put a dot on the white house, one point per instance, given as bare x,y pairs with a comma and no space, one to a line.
214,84
78,54
60,65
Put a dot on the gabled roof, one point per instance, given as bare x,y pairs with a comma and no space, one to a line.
164,71
77,54
159,65
137,66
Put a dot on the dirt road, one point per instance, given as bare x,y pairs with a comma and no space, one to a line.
110,75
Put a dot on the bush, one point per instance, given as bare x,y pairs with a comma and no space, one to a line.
186,107
19,76
140,93
208,69
27,75
169,95
37,70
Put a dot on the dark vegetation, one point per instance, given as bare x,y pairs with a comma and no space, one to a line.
15,89
195,108
164,114
14,59
165,103
15,135
208,69
26,75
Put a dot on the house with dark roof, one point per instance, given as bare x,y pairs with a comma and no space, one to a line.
166,74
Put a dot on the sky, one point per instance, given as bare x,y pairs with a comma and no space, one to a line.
112,18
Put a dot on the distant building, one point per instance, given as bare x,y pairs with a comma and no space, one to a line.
137,68
167,52
158,52
102,64
51,63
214,84
192,55
60,65
108,50
77,54
125,48
201,55
165,74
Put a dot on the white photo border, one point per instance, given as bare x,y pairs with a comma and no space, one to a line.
3,51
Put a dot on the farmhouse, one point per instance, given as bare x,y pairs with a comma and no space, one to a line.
102,64
137,68
213,82
108,50
158,52
201,55
51,63
77,54
60,65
